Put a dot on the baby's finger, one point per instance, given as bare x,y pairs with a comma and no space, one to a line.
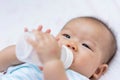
39,27
41,68
25,29
48,31
57,39
38,35
33,43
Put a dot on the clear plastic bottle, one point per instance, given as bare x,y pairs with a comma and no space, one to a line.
26,53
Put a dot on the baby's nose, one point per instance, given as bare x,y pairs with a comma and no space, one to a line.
72,46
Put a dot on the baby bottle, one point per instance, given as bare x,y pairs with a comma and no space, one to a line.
26,53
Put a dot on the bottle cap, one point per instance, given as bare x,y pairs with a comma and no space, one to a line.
66,56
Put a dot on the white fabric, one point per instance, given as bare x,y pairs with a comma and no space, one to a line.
15,15
76,76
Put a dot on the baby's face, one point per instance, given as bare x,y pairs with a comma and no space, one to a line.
86,40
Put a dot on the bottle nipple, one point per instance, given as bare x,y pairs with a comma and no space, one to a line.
66,56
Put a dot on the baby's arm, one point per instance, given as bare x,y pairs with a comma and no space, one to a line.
8,58
49,54
54,70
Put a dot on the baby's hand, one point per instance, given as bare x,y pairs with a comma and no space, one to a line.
39,28
46,46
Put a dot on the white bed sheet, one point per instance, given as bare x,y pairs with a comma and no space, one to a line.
16,14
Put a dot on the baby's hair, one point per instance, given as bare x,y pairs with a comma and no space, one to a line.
114,46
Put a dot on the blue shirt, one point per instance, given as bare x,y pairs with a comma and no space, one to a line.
31,72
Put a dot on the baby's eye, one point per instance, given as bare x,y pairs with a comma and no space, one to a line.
85,45
67,36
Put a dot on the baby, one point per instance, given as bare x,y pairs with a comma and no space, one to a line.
92,42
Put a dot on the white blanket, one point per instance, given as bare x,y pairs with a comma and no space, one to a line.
16,14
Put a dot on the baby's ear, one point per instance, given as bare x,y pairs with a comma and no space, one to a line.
99,72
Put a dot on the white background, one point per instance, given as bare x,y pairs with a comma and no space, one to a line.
53,14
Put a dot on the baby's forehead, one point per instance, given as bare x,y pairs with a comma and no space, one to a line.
79,24
85,21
